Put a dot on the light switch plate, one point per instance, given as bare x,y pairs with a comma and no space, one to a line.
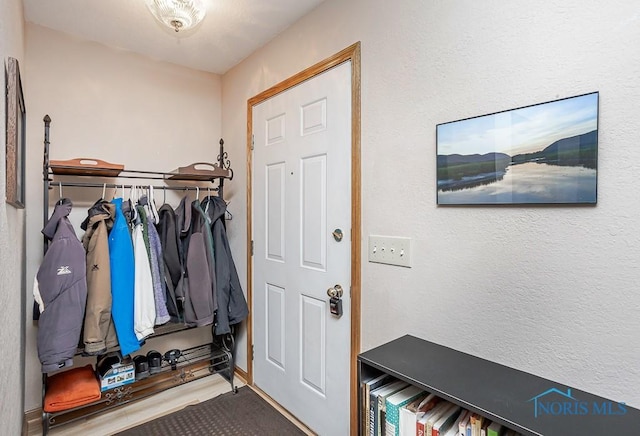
390,250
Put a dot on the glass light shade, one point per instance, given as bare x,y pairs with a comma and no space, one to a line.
177,14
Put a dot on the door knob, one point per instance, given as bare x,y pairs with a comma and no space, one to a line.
335,292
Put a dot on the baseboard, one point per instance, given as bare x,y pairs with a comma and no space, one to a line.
32,423
242,375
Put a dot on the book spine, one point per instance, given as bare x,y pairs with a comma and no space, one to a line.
372,416
381,416
390,429
392,419
365,411
420,429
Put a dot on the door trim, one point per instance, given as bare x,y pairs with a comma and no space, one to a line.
351,53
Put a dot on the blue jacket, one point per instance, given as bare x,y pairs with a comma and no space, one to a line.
122,281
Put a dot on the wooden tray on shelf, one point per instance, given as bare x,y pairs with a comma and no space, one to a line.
85,166
200,171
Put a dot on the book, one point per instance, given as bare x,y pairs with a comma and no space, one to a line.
485,424
382,408
393,405
367,386
462,425
386,389
428,431
410,413
446,421
494,429
468,429
421,423
454,430
476,422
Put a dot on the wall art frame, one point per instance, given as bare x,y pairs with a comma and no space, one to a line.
15,135
546,153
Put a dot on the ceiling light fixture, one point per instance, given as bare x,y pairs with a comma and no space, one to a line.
177,14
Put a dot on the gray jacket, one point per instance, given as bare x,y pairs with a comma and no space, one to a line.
198,280
60,289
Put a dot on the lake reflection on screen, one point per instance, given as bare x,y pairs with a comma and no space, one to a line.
530,183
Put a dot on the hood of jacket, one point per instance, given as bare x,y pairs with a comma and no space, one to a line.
214,207
102,211
62,210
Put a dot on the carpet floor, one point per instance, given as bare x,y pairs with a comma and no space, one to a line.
243,413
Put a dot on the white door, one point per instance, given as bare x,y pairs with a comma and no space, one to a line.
301,196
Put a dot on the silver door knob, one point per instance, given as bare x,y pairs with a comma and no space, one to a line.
335,292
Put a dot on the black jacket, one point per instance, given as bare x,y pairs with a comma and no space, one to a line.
169,240
232,306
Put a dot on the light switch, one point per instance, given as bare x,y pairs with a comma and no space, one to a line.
390,250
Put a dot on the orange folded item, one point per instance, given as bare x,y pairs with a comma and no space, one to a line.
72,388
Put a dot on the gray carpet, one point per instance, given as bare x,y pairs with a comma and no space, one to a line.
244,413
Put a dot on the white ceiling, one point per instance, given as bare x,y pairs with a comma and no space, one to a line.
231,30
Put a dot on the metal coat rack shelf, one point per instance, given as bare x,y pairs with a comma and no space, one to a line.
203,360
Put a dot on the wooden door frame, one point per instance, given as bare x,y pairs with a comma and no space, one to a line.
351,53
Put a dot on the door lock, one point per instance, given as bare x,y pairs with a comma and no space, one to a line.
336,291
337,235
335,302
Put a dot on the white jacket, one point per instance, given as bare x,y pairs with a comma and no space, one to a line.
144,314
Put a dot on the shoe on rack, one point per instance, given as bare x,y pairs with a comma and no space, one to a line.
142,366
155,361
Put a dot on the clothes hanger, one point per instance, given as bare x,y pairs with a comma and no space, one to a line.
152,206
228,215
60,193
104,191
206,208
132,198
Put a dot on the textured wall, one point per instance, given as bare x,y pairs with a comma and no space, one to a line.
11,243
116,106
548,290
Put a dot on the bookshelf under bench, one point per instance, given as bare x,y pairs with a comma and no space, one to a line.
500,393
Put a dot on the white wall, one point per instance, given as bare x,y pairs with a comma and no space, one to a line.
116,106
548,290
11,241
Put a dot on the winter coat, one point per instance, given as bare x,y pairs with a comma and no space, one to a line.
99,331
169,241
198,281
144,317
122,281
60,289
232,306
